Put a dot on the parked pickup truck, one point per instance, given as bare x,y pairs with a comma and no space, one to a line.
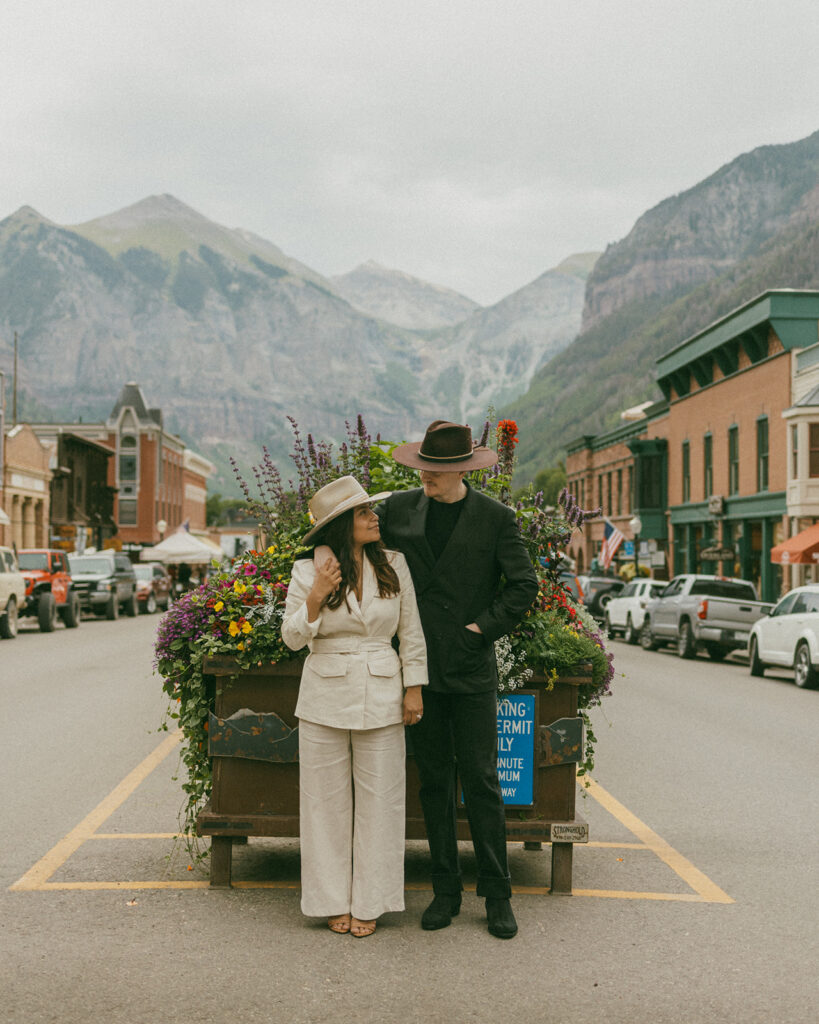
712,612
12,593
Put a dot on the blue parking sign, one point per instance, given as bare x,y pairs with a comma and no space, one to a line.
516,748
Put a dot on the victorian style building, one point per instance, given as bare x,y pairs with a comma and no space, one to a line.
154,484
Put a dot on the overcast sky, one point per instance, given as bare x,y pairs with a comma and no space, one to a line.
473,144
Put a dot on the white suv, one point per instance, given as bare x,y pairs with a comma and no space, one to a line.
789,637
12,593
625,613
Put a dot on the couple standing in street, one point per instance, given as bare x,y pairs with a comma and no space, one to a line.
443,568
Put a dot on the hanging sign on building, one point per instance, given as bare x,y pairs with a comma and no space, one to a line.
717,554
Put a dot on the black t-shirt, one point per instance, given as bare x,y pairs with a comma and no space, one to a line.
442,517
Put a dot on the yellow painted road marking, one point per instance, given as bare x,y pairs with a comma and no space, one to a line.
700,883
37,877
517,890
138,835
91,886
40,873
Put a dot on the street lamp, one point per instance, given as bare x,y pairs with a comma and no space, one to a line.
162,526
636,525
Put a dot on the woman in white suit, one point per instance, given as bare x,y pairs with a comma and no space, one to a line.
355,697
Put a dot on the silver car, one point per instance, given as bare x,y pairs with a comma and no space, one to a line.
789,637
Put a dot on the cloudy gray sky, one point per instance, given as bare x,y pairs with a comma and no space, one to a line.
473,144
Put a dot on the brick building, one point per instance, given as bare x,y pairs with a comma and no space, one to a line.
715,463
157,482
82,501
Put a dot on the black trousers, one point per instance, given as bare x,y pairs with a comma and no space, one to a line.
458,736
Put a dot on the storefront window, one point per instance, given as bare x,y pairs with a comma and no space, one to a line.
814,449
708,465
686,471
733,460
679,550
794,452
762,454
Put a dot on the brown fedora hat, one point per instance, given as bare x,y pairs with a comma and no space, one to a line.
446,448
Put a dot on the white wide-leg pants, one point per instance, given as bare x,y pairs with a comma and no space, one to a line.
351,805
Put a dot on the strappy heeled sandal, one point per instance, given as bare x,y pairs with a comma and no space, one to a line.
340,925
365,928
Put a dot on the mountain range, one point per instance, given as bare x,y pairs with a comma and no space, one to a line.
751,226
230,336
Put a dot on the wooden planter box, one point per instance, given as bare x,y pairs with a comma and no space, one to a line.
256,772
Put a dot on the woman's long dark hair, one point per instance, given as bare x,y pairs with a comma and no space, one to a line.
338,534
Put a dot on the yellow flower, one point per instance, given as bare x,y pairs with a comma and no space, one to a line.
239,588
219,606
271,549
246,627
240,647
233,628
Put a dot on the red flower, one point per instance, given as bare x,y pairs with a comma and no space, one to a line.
507,433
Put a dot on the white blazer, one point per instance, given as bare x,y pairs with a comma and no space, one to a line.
353,678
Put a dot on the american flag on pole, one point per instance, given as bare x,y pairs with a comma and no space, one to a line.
612,539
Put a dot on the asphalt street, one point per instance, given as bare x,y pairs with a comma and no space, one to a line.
712,919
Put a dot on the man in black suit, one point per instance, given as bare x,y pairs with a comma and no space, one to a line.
474,582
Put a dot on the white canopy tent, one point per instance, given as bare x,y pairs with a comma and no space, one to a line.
182,547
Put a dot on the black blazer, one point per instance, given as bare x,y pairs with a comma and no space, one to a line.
484,575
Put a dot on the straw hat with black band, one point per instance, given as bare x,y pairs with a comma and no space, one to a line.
446,448
335,498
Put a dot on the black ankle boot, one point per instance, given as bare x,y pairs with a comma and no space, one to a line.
502,923
440,912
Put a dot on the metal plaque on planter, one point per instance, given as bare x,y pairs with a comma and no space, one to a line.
252,735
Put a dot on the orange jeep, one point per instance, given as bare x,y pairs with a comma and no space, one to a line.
49,592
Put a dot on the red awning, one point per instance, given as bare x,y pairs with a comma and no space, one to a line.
803,549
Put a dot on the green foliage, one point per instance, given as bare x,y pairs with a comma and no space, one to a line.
29,280
94,257
225,511
549,481
238,612
235,613
148,266
190,284
233,284
268,269
559,637
398,385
